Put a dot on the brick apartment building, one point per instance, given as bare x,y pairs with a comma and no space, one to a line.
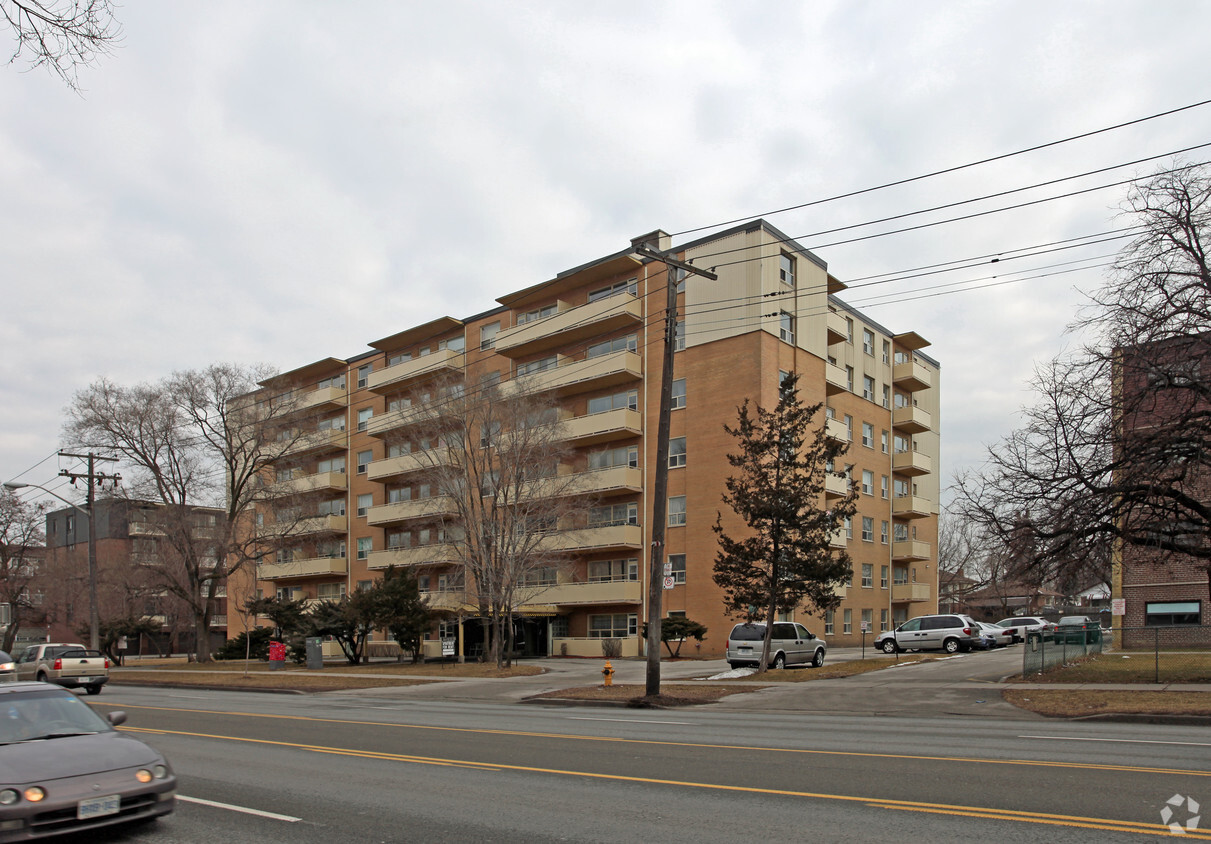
592,336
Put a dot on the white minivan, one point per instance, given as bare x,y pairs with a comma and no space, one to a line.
791,644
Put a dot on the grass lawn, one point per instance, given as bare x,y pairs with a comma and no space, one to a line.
1135,667
1070,703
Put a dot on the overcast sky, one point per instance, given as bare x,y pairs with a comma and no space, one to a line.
284,181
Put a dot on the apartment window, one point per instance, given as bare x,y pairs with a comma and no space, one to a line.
532,316
902,444
678,393
849,428
868,435
613,515
487,336
849,534
404,357
786,269
363,374
453,344
363,460
363,418
676,452
364,503
847,621
883,486
868,535
886,351
616,626
868,341
900,532
335,423
399,449
677,564
365,544
334,464
867,620
330,591
679,278
626,455
676,510
883,442
541,365
786,327
399,539
868,388
849,378
887,396
829,616
399,494
868,482
679,336
626,400
631,286
883,575
602,571
619,344
903,399
882,621
488,434
333,507
489,379
849,334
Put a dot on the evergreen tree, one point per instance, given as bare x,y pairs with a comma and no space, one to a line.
786,560
402,610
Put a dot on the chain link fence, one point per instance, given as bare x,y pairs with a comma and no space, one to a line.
1127,654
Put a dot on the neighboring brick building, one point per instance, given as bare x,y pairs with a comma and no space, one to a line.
593,336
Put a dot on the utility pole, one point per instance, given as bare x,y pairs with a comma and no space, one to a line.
94,479
660,489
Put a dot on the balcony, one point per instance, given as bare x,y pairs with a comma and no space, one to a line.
605,592
915,592
911,463
596,481
447,601
140,528
396,419
910,376
911,419
317,441
323,397
571,326
839,539
403,511
623,423
580,376
836,380
835,429
911,507
609,538
393,378
835,486
318,524
396,467
838,331
424,555
310,483
909,550
310,567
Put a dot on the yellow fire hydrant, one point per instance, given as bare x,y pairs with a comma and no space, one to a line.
607,674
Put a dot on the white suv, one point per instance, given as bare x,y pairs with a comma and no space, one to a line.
1023,624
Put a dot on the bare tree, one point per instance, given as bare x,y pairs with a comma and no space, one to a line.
21,545
63,35
196,446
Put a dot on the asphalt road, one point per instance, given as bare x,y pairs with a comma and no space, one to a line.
346,767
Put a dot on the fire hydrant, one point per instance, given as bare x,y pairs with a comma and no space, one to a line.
607,674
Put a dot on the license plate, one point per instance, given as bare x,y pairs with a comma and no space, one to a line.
98,807
86,679
745,650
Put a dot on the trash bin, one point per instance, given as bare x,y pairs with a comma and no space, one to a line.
315,652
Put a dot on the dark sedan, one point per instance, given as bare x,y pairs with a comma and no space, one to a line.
65,768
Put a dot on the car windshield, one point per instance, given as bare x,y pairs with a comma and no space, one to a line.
52,713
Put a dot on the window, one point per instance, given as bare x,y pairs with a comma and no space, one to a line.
886,351
882,621
489,379
365,544
868,435
487,336
849,330
330,591
678,393
603,404
849,378
336,423
488,434
883,576
676,452
868,482
541,365
847,621
868,341
867,620
334,464
677,566
849,534
1172,613
363,374
398,495
883,487
868,388
868,575
532,316
399,539
334,507
887,396
786,327
626,455
602,571
868,535
617,626
676,510
900,532
679,336
679,275
883,528
849,428
613,515
363,418
786,270
453,344
364,503
403,357
363,460
883,442
899,576
631,286
829,615
619,344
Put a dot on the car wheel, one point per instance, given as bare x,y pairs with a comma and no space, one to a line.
818,658
889,646
94,689
951,646
779,662
41,678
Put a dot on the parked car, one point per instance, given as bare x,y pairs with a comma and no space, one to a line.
1024,624
790,644
65,664
1077,628
950,633
64,768
1001,636
8,668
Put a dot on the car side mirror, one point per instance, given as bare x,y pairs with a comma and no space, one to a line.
116,718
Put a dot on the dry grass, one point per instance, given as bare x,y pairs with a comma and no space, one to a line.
278,680
429,669
671,694
1133,667
1070,703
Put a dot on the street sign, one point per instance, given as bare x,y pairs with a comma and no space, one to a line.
1118,606
668,569
670,582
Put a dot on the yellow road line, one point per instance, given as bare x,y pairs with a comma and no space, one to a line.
901,805
1082,766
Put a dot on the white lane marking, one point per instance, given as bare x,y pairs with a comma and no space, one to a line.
625,720
1122,740
260,814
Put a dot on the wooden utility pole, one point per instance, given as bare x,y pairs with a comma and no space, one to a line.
660,488
94,479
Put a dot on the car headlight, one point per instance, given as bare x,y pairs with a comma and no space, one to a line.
8,666
143,775
9,796
35,794
160,771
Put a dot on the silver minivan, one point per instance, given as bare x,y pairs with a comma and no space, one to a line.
950,633
791,644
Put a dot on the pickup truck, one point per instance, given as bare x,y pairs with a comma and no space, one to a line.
64,664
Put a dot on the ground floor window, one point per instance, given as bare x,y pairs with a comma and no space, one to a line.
559,626
828,622
617,626
1172,613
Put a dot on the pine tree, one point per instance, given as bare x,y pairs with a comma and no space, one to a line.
787,559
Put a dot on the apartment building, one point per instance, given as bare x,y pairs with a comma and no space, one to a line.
592,336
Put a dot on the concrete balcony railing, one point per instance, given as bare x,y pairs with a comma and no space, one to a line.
908,550
909,592
838,539
580,376
836,380
423,555
835,429
571,326
838,331
602,427
613,537
613,479
403,511
394,467
317,524
911,507
310,483
318,398
394,377
604,592
329,440
911,419
910,376
449,601
911,463
310,567
394,420
835,486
